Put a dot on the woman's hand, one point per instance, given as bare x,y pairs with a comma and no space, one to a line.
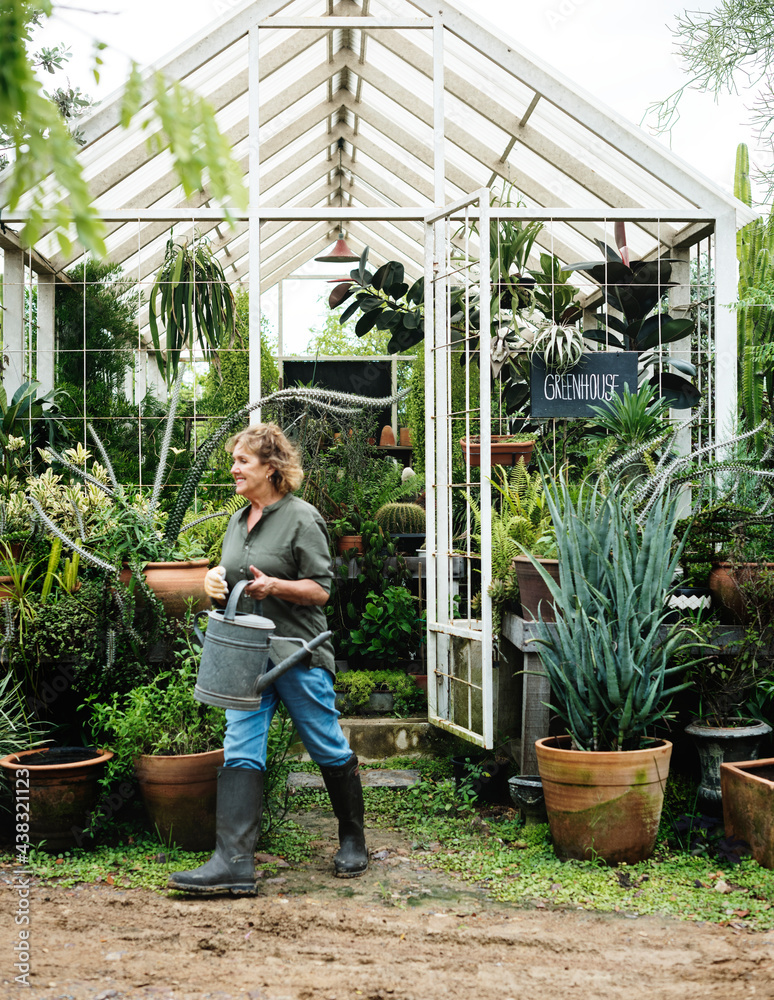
306,592
261,585
215,585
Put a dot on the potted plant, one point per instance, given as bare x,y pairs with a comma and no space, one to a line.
730,668
193,300
505,449
361,692
405,522
55,789
633,289
530,527
391,629
610,672
173,745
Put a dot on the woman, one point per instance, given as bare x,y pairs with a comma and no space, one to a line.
281,542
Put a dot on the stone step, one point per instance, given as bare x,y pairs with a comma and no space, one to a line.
302,780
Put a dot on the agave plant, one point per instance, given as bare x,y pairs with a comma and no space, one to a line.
193,301
610,670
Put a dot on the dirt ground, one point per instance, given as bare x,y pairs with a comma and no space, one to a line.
402,932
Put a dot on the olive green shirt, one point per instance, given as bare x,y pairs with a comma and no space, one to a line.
289,542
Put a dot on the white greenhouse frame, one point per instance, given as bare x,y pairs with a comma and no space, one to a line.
432,105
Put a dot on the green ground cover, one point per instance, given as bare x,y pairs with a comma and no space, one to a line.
689,875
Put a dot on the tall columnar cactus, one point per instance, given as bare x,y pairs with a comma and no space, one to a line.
755,323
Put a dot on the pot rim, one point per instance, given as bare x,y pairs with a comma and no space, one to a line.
759,728
544,744
177,756
13,765
540,559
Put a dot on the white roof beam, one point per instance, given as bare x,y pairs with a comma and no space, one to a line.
517,128
464,182
188,57
605,123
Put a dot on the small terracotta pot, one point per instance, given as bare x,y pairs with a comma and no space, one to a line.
533,592
603,805
725,581
347,542
174,583
387,437
57,800
179,793
405,437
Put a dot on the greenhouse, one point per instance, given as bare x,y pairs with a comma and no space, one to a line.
549,377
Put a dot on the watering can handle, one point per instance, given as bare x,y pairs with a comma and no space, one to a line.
230,613
306,647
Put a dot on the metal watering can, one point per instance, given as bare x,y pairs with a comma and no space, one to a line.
235,654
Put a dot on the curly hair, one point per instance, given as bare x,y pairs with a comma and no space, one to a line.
270,445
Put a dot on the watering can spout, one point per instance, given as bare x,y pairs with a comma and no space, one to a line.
290,661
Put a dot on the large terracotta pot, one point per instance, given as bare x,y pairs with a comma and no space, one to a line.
174,583
502,451
603,805
725,581
716,745
533,592
56,799
748,806
179,794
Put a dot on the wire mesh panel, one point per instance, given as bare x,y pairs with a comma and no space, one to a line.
457,407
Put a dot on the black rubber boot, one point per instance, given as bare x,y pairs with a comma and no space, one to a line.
346,794
232,867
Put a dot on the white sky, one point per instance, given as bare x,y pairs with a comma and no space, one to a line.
622,53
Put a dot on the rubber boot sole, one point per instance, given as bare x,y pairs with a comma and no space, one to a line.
241,889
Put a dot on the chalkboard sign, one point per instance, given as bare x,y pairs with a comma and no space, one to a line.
595,380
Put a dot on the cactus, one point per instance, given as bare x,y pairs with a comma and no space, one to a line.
401,518
755,319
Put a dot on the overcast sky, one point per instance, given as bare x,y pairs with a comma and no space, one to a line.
622,53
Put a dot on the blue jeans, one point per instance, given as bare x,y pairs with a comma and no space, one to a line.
311,703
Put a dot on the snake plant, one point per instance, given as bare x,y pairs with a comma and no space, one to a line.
607,659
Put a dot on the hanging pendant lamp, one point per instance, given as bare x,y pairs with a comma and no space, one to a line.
340,253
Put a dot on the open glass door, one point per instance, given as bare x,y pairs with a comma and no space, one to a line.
457,408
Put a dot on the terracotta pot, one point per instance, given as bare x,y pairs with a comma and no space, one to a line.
347,542
725,581
719,744
61,796
502,451
405,437
387,437
533,592
174,583
180,794
603,805
748,806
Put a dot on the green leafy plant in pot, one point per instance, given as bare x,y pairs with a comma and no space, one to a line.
173,745
610,672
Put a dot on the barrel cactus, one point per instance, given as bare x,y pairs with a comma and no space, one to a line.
401,518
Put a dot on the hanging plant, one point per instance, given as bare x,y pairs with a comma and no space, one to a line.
194,303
